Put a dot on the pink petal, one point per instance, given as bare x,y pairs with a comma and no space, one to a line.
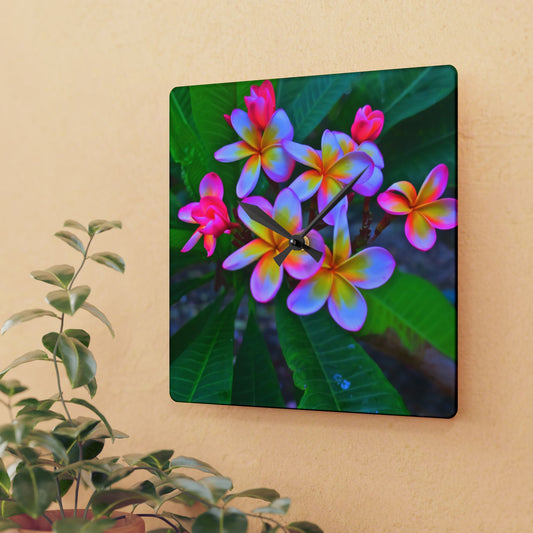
407,189
249,253
257,110
299,264
393,203
211,185
373,151
419,232
306,184
346,305
192,241
304,154
434,185
277,163
185,213
288,211
246,129
310,294
278,129
234,152
209,244
249,176
368,269
346,143
441,214
371,185
331,150
342,247
266,278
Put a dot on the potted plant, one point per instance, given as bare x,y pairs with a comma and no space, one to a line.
46,452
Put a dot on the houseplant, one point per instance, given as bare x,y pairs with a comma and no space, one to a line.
46,452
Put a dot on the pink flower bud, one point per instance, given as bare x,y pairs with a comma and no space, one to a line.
261,104
367,124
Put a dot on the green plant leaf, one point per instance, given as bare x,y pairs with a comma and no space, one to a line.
105,502
15,432
279,506
6,525
68,300
24,316
196,464
71,240
217,520
59,275
9,508
217,485
10,387
49,340
91,387
79,525
203,372
48,441
5,482
97,412
415,310
78,360
110,260
34,355
99,315
158,459
268,495
181,288
304,527
76,225
34,489
334,372
254,378
99,226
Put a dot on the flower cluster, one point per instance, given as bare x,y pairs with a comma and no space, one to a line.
266,144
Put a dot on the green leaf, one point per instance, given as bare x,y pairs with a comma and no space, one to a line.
5,482
10,387
91,387
59,275
79,525
180,289
178,259
71,240
34,489
99,226
49,340
221,521
334,372
195,488
6,525
307,100
48,441
104,502
279,506
34,355
86,404
217,485
15,432
78,360
304,527
99,315
191,462
158,459
110,260
254,378
268,495
68,300
415,310
76,225
24,316
203,372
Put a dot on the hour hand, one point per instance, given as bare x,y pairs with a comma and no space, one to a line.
258,215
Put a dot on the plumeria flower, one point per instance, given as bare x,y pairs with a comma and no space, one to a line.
330,169
261,103
267,275
263,149
367,124
372,184
210,213
339,279
425,211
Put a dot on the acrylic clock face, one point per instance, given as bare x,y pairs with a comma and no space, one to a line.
313,242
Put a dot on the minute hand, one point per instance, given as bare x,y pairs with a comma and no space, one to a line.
338,197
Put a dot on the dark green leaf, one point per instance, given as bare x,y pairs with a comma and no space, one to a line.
203,371
268,495
5,482
99,315
34,489
304,527
71,240
80,427
178,259
24,316
48,441
91,387
68,301
99,226
191,462
8,525
85,403
279,506
76,225
59,275
254,377
10,387
110,260
415,310
180,289
103,503
49,340
15,432
334,372
79,525
9,508
221,521
158,459
34,355
34,416
78,360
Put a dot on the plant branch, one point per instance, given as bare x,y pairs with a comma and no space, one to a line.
166,520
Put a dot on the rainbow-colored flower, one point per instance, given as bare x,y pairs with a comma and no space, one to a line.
367,124
263,149
339,279
425,211
267,275
210,213
330,169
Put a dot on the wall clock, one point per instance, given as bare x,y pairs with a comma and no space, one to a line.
313,242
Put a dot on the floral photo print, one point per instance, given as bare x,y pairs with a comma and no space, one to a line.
313,242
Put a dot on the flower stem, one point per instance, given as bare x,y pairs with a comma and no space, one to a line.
382,224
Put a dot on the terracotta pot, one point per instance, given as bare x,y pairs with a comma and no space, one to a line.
130,523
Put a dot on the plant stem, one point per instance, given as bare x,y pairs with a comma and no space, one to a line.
82,263
168,522
59,498
382,224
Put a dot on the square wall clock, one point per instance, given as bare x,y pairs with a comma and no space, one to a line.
313,254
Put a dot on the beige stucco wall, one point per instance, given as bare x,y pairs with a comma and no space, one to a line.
83,134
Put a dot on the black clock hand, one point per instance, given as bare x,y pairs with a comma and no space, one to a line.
258,215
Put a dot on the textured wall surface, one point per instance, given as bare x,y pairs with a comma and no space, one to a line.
83,134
